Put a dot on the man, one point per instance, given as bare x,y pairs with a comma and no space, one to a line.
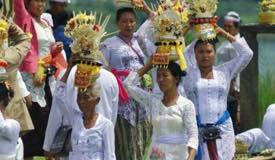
60,17
225,53
269,124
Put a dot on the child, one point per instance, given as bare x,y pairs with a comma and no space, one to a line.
9,128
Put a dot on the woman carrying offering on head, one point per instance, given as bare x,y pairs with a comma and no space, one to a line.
124,54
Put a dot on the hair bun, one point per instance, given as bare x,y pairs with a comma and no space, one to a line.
175,69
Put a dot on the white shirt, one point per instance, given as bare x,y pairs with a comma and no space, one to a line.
107,106
22,85
9,134
95,143
225,53
269,125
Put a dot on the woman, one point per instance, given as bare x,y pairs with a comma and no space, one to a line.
175,133
92,134
207,87
44,51
123,53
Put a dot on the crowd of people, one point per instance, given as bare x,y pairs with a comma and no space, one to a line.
174,114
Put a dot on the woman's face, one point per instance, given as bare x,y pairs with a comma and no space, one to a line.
166,80
87,101
127,23
205,54
36,7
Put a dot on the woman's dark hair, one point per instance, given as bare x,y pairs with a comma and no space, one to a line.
5,94
212,42
123,10
176,71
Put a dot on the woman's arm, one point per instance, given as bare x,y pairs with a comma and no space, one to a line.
243,56
191,153
19,45
60,97
109,142
132,81
140,95
21,13
189,119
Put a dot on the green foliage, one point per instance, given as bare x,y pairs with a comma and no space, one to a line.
266,92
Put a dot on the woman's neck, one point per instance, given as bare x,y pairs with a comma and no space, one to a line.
89,119
126,38
37,19
206,72
170,97
2,110
89,115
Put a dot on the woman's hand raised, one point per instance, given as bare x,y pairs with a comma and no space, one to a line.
222,32
72,60
148,66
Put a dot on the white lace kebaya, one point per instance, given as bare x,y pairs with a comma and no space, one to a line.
210,95
174,127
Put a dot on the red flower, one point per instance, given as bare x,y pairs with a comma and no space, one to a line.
96,28
3,63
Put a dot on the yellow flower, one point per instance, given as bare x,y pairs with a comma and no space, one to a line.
3,30
3,24
184,17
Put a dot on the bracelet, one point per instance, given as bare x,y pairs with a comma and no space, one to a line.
227,35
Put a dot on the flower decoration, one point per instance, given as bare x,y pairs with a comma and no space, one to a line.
267,5
3,72
267,14
3,31
203,8
203,19
86,75
157,153
169,29
138,4
86,32
170,21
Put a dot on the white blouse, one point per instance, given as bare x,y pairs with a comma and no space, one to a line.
45,40
96,143
174,127
210,95
9,134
